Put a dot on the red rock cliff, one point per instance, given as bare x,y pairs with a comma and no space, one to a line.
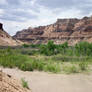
70,30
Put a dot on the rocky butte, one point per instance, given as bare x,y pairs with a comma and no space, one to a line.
64,30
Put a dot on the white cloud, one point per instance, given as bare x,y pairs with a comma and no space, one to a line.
1,12
33,2
45,16
35,14
3,2
70,14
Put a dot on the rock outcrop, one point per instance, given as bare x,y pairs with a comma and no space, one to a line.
6,39
64,30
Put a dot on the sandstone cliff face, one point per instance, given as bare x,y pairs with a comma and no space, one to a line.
6,39
70,30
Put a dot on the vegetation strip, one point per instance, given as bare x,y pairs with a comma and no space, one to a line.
50,58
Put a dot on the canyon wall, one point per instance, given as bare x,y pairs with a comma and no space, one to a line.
64,30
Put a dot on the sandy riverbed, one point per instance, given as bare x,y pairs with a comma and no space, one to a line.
45,82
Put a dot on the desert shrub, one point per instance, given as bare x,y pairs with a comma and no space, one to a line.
55,68
84,48
83,66
51,46
24,83
43,49
26,67
38,65
61,48
70,69
73,69
28,52
25,45
35,45
48,49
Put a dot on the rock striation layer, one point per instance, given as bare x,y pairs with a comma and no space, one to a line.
64,30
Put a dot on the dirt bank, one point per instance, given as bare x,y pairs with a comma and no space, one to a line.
9,84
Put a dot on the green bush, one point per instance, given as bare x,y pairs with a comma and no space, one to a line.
84,48
55,68
24,83
48,49
25,45
70,69
26,67
83,66
35,45
43,49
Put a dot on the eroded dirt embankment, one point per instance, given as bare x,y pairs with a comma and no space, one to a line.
9,84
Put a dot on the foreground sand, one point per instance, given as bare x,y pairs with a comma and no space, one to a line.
44,82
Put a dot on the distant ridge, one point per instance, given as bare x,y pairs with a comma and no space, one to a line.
64,30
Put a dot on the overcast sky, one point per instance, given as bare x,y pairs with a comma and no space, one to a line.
19,14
